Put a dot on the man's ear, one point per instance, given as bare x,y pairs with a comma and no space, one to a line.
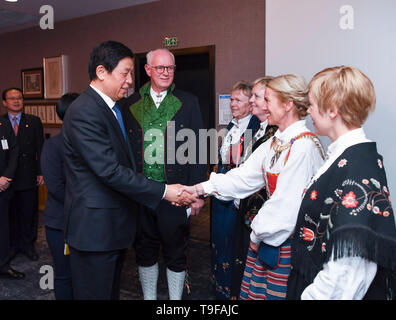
148,69
101,72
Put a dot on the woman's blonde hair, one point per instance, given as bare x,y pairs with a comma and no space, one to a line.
346,88
292,87
263,81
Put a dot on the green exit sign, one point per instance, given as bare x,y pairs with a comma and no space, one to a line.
171,42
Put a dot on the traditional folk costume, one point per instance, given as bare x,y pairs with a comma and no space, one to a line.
344,246
247,210
153,122
283,165
223,211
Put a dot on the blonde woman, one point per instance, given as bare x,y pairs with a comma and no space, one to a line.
344,246
284,165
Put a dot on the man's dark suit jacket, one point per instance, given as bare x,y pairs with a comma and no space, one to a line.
101,183
52,165
8,158
187,117
30,140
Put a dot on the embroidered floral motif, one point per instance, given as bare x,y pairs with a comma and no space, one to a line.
379,163
371,197
349,200
338,193
329,201
342,163
307,234
376,183
314,195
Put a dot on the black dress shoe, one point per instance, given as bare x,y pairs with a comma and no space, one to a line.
12,274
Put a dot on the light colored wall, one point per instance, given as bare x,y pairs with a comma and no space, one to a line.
305,37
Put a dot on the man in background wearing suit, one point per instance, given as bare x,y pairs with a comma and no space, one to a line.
8,164
101,180
24,203
162,108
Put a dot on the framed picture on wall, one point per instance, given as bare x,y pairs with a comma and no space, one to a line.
55,77
32,83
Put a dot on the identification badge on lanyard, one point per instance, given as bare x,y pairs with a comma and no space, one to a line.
4,144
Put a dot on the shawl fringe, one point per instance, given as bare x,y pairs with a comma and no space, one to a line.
362,242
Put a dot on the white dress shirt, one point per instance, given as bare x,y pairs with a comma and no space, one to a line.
109,102
158,97
346,278
276,220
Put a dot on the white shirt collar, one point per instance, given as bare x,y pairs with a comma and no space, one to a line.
110,103
263,125
346,140
155,94
290,132
157,97
242,123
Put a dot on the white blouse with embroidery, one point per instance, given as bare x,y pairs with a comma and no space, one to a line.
276,220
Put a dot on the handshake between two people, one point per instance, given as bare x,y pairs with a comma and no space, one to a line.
180,195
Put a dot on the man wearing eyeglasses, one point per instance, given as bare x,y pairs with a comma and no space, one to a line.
28,131
154,116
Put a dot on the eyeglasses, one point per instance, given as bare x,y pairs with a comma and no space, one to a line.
161,69
14,98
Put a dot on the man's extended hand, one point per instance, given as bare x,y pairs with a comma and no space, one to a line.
4,183
195,190
176,196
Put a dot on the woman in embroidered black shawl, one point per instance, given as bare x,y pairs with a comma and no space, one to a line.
344,244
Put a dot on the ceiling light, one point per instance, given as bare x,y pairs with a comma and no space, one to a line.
11,0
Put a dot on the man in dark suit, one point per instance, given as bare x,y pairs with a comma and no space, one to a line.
154,117
24,203
101,183
8,164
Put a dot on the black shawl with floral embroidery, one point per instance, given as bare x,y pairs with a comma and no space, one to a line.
347,211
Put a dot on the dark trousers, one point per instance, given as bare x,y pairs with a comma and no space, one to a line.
4,233
96,275
168,227
63,279
23,219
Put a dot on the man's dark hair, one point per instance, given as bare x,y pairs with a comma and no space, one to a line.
64,102
107,54
4,94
